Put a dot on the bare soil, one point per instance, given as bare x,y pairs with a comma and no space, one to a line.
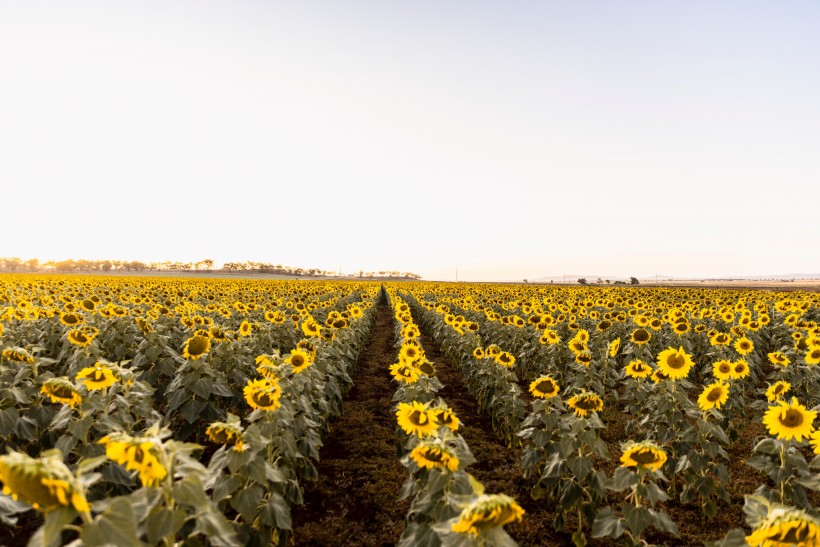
354,500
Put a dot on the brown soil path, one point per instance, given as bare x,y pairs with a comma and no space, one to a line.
497,467
354,501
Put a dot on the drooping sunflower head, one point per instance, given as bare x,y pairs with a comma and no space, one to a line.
505,359
789,420
713,396
785,527
675,363
585,403
777,390
416,419
299,359
227,433
493,350
643,455
100,376
614,346
544,387
142,454
308,346
577,346
18,355
263,394
82,337
196,346
488,511
61,390
638,369
778,358
404,373
434,454
445,416
45,482
71,319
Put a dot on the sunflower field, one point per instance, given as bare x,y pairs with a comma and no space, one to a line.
172,411
143,411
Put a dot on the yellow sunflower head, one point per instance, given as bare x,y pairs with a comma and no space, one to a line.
196,346
713,396
45,482
744,346
643,455
416,419
789,420
434,454
263,394
675,363
100,376
18,355
585,403
638,369
486,512
146,455
227,433
505,359
785,527
82,337
778,358
299,359
544,387
640,336
740,369
61,390
777,390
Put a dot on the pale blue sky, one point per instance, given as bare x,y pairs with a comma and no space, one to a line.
505,139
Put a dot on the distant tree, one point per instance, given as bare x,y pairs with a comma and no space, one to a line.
32,264
106,266
599,281
583,281
634,281
525,282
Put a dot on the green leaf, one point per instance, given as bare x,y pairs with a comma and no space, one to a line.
637,518
246,501
163,522
218,529
115,526
8,419
606,524
277,512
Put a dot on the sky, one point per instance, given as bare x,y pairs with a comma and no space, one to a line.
499,140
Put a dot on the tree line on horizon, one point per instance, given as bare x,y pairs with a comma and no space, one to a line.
15,264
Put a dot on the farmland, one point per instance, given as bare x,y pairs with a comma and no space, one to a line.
173,411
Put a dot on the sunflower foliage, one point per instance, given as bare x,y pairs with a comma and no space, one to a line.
561,451
639,475
494,385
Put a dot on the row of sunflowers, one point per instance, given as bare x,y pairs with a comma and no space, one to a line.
147,411
689,376
449,506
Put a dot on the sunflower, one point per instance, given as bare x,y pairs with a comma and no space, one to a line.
505,359
405,373
614,346
416,419
61,390
740,369
813,357
410,331
744,346
675,363
18,354
577,346
82,337
681,327
226,433
777,390
544,387
45,482
100,376
487,511
723,370
549,338
638,369
478,353
71,319
643,455
786,527
713,396
245,328
299,359
409,353
263,394
778,358
433,454
308,346
585,403
196,346
658,376
141,454
583,358
446,417
640,336
493,350
311,328
789,420
720,339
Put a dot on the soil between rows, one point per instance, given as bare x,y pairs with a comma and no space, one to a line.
354,500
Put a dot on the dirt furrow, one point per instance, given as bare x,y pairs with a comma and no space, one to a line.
354,500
